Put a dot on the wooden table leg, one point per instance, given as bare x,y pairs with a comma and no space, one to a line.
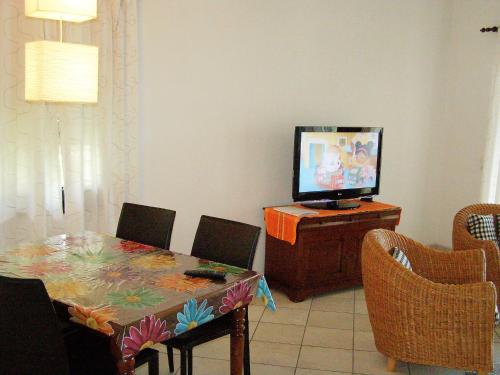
124,366
237,340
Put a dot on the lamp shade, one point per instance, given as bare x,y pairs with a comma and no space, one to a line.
65,10
61,72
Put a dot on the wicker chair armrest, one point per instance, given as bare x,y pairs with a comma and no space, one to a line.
477,300
463,240
491,253
442,266
436,324
451,314
449,267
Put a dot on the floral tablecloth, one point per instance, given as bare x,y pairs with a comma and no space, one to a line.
135,293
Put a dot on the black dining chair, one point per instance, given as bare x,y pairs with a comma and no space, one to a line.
224,241
147,225
32,340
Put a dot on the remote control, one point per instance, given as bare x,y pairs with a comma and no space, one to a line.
207,274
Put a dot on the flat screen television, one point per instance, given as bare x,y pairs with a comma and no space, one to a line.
332,164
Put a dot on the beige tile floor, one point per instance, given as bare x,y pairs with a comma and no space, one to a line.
325,335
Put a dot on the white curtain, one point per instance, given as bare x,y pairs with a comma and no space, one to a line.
99,142
491,162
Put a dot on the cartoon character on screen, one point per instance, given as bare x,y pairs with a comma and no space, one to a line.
330,172
362,172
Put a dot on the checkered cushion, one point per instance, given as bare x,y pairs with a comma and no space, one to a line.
482,227
401,257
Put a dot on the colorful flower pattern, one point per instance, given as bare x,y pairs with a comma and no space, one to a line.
237,296
95,318
182,283
133,247
45,268
119,274
76,240
193,316
151,331
154,261
66,288
31,251
93,254
264,294
136,299
221,267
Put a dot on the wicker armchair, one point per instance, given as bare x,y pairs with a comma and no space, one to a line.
462,239
423,316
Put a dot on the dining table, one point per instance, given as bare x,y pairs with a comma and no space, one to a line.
134,294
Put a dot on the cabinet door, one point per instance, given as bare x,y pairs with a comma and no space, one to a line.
324,258
354,241
352,253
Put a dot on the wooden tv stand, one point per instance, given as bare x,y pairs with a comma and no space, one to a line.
326,254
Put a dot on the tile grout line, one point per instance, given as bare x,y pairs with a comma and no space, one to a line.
316,346
303,335
256,326
257,323
353,333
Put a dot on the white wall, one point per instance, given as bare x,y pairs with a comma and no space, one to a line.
225,82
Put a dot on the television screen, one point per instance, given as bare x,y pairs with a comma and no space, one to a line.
335,163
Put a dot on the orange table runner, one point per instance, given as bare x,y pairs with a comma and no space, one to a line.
284,226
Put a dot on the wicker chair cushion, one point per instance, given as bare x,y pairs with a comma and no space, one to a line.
401,257
482,227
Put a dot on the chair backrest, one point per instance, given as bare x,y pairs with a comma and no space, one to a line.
478,208
226,241
30,337
147,225
460,226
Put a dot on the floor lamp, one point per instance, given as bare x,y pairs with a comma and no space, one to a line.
60,72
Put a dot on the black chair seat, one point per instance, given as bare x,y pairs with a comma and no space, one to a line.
151,357
212,330
30,336
207,332
69,328
89,353
97,366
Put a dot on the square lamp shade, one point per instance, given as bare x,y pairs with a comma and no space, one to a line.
64,10
61,72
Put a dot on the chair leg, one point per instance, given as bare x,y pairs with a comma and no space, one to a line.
190,361
183,362
246,354
170,354
154,365
391,364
